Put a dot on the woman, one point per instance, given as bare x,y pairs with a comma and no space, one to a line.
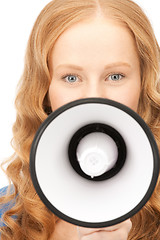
79,49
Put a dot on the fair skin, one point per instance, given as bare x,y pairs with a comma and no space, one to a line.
94,58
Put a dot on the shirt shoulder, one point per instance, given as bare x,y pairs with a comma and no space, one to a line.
5,207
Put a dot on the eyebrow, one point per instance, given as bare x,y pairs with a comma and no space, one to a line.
79,68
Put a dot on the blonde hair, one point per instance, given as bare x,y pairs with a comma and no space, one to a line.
34,220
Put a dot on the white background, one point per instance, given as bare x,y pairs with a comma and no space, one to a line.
16,20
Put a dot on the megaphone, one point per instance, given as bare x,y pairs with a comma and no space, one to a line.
94,162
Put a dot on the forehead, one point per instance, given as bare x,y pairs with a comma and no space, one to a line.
95,38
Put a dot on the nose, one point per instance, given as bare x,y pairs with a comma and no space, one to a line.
94,90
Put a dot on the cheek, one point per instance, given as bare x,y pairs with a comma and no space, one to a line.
128,94
59,96
56,97
131,98
131,102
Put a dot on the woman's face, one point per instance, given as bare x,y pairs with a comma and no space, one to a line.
95,58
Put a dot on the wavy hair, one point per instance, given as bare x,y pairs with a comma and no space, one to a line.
34,221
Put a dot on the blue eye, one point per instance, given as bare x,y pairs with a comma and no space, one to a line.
71,78
115,77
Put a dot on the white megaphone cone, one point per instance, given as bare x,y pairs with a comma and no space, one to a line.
94,162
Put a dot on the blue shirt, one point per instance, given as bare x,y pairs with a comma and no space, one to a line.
5,207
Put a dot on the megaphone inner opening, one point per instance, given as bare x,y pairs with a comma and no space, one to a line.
97,152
